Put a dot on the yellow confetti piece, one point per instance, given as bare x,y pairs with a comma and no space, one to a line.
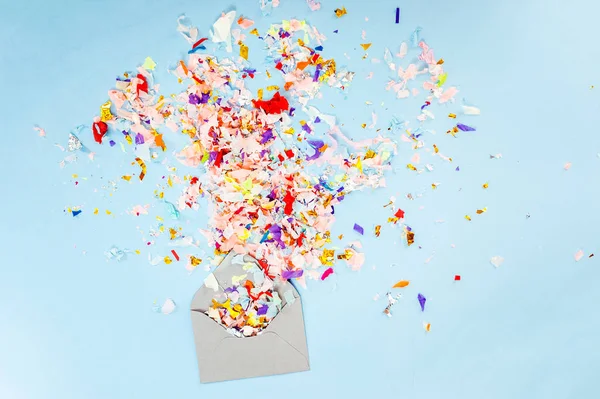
138,252
427,326
105,114
195,261
170,182
259,94
108,212
377,230
243,51
436,149
74,176
149,64
485,185
254,32
468,217
160,219
95,211
453,116
168,260
172,233
359,165
411,167
272,87
434,185
365,46
340,236
480,211
327,257
128,139
340,12
364,125
126,177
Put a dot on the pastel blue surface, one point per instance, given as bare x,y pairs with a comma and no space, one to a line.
75,326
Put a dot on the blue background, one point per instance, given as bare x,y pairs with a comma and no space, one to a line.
75,326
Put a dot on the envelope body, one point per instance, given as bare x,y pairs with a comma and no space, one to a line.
280,348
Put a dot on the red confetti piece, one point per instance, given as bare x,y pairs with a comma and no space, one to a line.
142,86
249,285
99,129
281,158
289,203
289,153
275,105
199,42
399,214
457,277
326,273
175,254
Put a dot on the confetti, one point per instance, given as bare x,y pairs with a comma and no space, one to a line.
340,12
421,298
359,229
497,261
578,255
401,284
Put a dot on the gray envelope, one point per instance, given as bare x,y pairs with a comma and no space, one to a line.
279,349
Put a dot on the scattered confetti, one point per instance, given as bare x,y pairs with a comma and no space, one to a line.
578,255
421,298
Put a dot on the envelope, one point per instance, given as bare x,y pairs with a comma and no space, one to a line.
279,349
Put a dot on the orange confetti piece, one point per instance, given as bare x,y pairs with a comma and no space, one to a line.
126,177
401,284
365,46
377,230
485,185
142,166
427,326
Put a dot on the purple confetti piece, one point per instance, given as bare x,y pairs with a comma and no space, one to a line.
316,145
262,310
112,143
288,274
422,301
317,72
317,120
139,139
266,136
457,169
292,109
194,99
205,97
358,228
465,128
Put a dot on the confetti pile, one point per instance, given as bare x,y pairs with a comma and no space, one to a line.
247,306
271,166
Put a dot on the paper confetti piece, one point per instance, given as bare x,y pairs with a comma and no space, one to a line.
340,12
497,261
327,273
149,64
401,284
168,307
578,254
358,228
366,46
457,277
421,298
427,326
